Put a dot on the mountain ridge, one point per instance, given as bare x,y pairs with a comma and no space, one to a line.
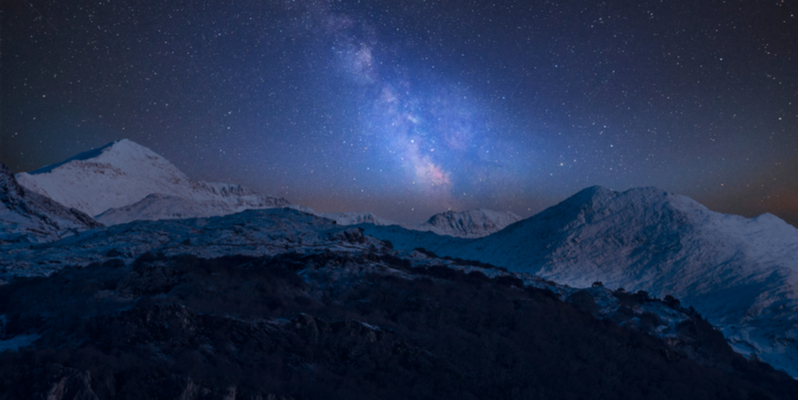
123,181
473,223
741,273
27,216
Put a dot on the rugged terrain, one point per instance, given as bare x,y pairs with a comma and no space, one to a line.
285,304
740,273
197,290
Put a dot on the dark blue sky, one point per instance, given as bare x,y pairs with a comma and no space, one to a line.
408,108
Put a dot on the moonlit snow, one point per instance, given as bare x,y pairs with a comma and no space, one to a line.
739,273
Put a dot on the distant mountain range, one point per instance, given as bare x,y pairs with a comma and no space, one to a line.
124,181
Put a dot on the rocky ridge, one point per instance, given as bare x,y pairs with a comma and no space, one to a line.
468,224
28,217
741,273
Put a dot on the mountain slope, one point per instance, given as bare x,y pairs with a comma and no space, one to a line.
26,216
740,273
116,179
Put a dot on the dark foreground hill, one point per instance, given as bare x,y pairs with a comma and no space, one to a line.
344,325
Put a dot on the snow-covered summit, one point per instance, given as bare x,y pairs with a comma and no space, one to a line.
117,179
468,224
740,273
30,217
115,175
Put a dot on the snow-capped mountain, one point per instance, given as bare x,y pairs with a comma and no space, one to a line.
117,179
468,224
739,273
26,216
124,181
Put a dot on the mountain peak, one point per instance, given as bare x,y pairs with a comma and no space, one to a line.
114,175
116,182
118,150
468,224
591,194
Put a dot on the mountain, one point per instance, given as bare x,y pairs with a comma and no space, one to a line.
117,179
465,224
278,303
468,224
354,218
740,273
28,217
204,200
124,181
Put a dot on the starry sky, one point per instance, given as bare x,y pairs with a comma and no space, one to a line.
408,108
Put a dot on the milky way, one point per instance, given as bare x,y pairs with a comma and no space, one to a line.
410,108
431,129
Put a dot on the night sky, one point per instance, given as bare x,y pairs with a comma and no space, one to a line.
408,108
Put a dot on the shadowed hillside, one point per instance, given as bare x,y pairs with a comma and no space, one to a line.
345,325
